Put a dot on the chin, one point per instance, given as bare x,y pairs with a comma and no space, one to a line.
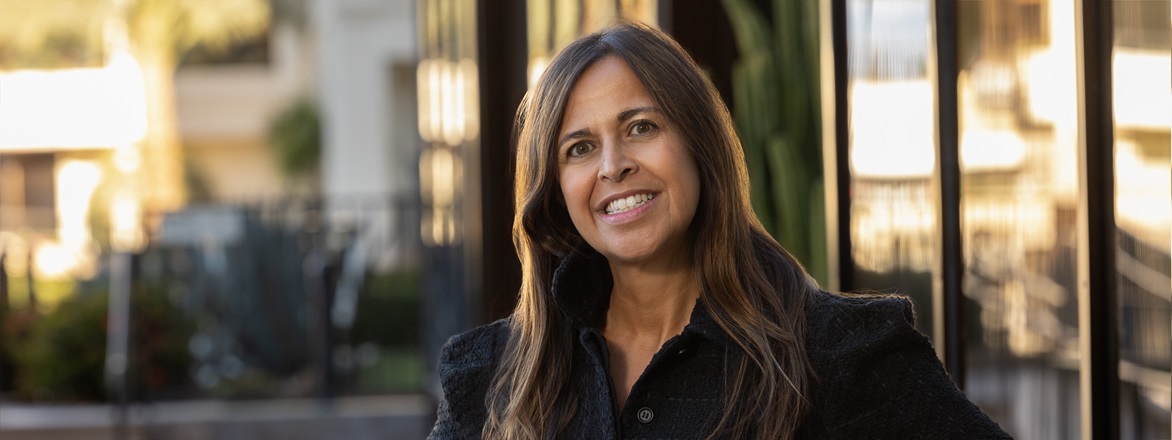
629,253
626,257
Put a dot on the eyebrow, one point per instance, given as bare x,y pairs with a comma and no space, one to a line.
576,134
623,116
630,113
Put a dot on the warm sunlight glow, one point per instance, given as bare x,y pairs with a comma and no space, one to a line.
54,260
470,74
891,223
1143,202
892,134
1142,92
449,116
424,100
1049,74
126,223
17,249
988,150
442,166
536,68
73,108
448,101
441,174
1049,77
72,253
451,89
76,182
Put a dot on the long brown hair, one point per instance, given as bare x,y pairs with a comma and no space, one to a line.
752,287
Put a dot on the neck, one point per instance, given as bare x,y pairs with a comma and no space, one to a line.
652,300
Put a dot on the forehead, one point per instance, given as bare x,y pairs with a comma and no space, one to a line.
605,89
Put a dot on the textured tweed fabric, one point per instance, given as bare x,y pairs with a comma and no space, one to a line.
877,377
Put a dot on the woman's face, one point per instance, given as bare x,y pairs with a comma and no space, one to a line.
630,184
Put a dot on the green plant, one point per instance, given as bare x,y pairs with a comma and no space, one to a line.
295,135
388,318
15,326
776,107
388,311
63,355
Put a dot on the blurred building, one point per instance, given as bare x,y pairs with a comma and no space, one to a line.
298,282
1005,163
353,61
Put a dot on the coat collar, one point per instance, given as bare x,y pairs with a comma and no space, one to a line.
581,289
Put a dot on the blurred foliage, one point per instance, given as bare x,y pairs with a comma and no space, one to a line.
51,292
184,24
295,135
388,312
63,355
396,371
60,356
51,33
15,325
777,101
71,33
256,315
388,316
293,12
252,384
252,49
48,292
196,182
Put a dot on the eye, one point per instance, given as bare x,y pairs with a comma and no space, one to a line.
641,128
579,149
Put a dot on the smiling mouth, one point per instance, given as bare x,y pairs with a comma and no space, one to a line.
628,203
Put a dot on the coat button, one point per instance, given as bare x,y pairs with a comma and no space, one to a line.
645,415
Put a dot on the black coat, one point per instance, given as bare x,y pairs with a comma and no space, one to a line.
877,377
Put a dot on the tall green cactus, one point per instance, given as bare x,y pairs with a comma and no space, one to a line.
776,107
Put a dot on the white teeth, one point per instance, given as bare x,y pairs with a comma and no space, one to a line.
627,204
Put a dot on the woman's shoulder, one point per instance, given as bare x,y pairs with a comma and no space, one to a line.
846,333
838,317
878,377
474,351
467,364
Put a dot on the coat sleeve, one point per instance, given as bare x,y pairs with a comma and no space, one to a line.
880,378
466,367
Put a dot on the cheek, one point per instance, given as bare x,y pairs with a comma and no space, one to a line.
576,192
692,184
576,195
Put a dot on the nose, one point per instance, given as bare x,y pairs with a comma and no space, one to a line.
616,164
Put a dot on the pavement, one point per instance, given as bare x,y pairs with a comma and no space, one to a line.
399,417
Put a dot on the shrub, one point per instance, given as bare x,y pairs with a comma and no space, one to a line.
63,357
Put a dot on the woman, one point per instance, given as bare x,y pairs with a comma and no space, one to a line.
653,304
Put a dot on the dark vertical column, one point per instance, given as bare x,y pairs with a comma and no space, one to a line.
1098,304
702,28
665,15
503,62
838,176
948,136
118,339
3,282
6,365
